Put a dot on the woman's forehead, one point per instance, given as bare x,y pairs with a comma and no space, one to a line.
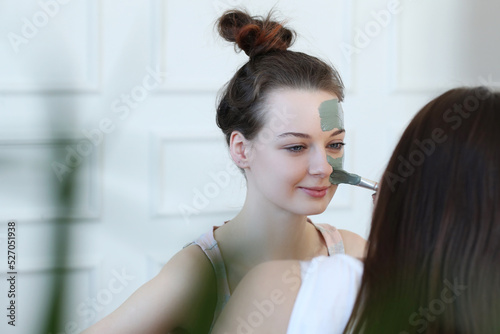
307,109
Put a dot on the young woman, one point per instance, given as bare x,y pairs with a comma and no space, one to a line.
433,252
269,115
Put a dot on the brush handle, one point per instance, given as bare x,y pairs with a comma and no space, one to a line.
368,184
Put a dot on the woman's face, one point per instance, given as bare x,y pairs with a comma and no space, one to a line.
287,163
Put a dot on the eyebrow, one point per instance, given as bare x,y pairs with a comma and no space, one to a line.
306,136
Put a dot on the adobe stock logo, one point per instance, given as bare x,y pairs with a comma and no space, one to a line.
88,310
30,28
364,36
202,196
423,149
437,306
121,108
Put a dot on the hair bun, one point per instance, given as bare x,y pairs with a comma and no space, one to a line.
253,34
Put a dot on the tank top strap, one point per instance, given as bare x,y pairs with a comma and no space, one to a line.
332,237
210,247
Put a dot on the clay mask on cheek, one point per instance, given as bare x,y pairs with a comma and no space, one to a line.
339,175
332,117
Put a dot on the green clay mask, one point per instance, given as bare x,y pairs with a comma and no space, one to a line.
339,175
331,115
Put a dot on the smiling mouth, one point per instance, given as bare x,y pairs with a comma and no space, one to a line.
316,192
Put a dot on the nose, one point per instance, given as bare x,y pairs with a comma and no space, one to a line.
318,164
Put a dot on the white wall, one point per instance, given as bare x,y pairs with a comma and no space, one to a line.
66,68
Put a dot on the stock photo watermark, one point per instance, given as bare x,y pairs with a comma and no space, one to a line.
222,179
488,81
436,307
265,308
364,36
453,117
121,107
91,307
12,261
275,124
30,27
203,195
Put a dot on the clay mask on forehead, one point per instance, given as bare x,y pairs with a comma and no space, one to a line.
332,117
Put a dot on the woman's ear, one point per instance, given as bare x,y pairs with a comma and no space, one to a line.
239,148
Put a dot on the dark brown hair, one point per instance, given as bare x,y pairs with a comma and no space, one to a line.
433,262
271,66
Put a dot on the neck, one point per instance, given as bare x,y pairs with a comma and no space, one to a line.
261,232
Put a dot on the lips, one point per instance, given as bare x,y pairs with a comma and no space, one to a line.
316,192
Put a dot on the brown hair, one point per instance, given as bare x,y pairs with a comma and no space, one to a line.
271,66
433,262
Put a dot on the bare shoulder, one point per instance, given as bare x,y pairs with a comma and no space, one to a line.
181,297
189,272
191,279
269,289
354,244
188,261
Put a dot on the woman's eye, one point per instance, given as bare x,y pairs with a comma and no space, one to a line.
336,146
296,148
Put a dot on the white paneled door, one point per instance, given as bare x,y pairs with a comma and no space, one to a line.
110,157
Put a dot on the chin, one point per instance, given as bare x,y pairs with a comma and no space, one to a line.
313,210
320,208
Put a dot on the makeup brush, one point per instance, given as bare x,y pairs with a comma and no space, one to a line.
339,175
